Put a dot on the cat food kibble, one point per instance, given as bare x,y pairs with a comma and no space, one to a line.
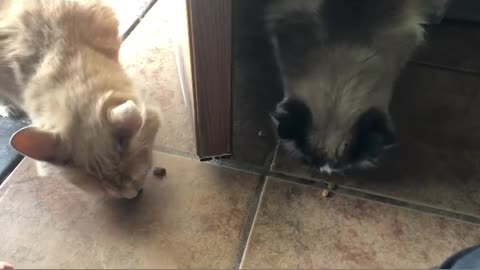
159,172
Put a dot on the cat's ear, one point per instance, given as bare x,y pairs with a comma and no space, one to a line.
127,118
35,143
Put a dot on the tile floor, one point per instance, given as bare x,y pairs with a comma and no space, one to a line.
254,212
190,219
297,228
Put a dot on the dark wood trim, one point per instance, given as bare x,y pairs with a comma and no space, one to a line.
210,26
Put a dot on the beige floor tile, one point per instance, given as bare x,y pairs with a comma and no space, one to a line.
297,228
190,219
149,56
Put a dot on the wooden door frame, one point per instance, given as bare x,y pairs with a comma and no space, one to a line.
210,37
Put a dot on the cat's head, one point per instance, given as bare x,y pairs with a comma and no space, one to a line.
114,144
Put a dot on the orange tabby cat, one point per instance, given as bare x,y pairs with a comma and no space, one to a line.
59,63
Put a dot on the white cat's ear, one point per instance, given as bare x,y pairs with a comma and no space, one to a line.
127,117
35,143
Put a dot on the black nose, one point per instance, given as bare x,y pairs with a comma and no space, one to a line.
370,135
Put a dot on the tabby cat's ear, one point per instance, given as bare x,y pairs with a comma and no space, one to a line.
127,118
35,143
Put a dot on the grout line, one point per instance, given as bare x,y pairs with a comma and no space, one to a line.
224,163
237,166
7,179
252,211
10,168
269,160
175,152
351,192
246,167
299,180
445,67
138,20
247,229
150,5
341,189
408,205
254,221
130,29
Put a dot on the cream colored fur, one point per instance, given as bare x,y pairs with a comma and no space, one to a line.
59,62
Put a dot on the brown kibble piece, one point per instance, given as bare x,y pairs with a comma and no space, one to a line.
325,193
159,172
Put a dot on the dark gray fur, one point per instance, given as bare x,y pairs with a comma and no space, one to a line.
340,58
